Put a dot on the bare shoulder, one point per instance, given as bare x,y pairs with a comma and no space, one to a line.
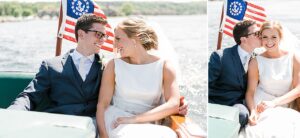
253,62
169,68
110,66
296,58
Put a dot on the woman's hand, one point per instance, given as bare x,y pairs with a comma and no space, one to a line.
123,120
262,106
253,118
103,136
183,108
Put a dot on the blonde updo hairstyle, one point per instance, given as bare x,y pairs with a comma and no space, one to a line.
137,28
272,25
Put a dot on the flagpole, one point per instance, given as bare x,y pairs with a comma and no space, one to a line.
58,39
220,36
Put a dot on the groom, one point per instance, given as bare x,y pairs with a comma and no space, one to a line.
70,82
228,69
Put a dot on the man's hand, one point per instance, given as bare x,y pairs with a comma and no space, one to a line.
253,118
103,136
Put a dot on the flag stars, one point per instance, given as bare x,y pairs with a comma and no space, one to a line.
235,8
80,7
75,9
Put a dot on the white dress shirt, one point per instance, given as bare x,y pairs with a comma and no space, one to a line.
76,56
244,56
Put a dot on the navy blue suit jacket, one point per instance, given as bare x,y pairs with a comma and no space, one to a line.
227,78
59,82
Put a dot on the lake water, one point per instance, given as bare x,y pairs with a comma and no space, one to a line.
284,11
24,45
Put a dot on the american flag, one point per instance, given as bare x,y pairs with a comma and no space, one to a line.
238,10
72,10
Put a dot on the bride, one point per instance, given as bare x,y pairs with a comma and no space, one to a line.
273,81
136,83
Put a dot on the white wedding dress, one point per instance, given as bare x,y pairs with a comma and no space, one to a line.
275,79
138,89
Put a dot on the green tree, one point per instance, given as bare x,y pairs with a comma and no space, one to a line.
1,10
127,8
26,12
16,12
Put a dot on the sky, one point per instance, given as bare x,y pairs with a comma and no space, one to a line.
101,0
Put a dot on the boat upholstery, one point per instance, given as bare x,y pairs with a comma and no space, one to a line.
223,121
17,124
11,84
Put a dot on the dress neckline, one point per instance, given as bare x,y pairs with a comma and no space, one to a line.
140,64
287,55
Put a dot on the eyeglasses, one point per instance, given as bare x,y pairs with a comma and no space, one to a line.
257,33
99,35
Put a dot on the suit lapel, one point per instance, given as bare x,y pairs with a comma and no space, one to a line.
94,68
93,77
69,70
240,72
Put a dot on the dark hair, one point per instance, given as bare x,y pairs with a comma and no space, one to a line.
241,30
86,21
136,27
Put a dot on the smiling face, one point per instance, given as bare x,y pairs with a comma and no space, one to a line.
91,39
125,45
271,34
90,34
270,39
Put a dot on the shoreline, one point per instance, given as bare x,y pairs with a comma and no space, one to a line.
7,19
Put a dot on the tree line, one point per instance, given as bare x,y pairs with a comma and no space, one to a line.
51,9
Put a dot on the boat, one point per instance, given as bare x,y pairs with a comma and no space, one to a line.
35,124
223,121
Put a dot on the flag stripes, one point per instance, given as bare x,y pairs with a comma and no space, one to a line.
252,12
67,30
